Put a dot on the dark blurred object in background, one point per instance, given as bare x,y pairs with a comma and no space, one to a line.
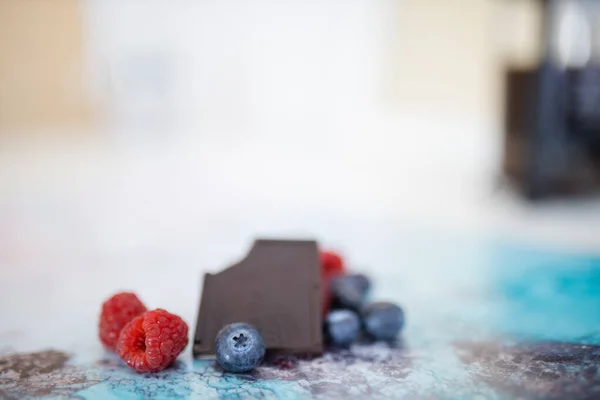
552,131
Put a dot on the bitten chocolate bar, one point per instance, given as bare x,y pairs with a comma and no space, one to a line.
276,288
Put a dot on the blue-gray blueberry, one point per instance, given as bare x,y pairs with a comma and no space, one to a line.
349,291
239,347
382,320
361,282
342,327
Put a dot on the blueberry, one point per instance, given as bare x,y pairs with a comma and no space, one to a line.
342,327
349,291
239,347
361,282
382,321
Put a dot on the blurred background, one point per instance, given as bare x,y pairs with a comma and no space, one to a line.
161,126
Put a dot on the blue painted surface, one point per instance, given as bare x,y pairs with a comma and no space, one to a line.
546,296
484,318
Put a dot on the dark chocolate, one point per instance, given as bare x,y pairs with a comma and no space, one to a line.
276,288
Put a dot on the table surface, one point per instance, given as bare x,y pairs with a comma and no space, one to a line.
486,318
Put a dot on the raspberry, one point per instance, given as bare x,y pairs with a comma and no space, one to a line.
332,265
152,341
116,312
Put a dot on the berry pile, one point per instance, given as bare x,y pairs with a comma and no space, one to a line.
348,314
147,341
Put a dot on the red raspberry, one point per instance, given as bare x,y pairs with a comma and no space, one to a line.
116,312
152,341
332,265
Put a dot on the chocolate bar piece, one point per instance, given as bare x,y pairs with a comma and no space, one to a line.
276,288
